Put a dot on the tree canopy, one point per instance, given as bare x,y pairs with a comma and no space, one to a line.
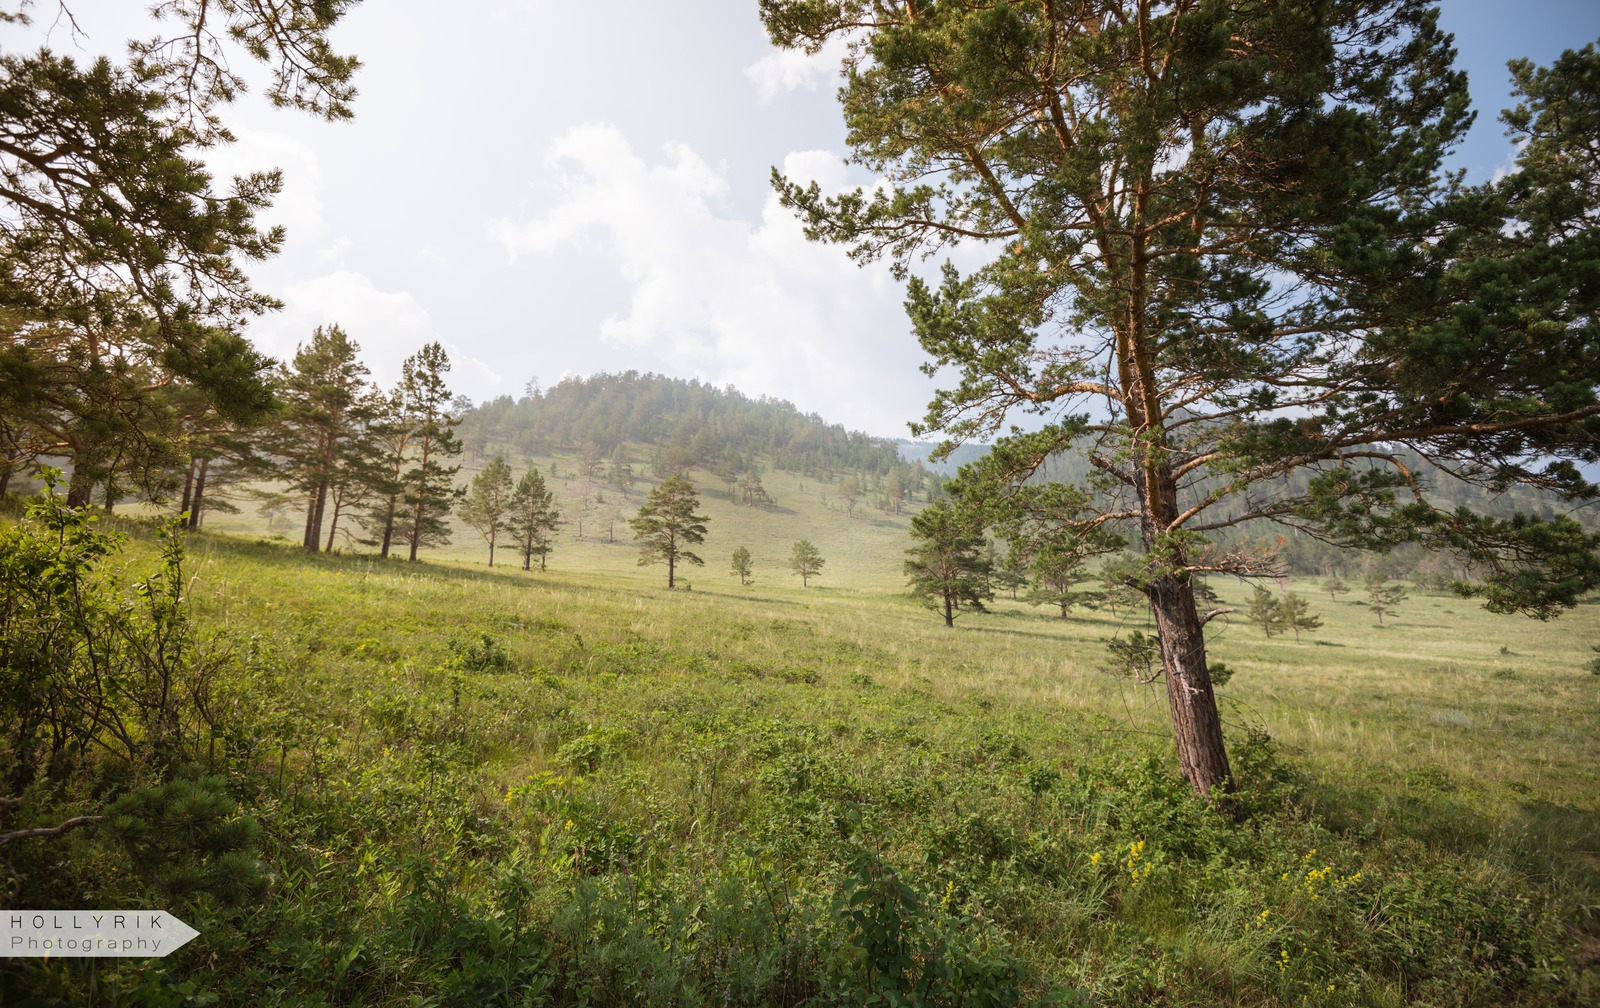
806,560
948,567
109,218
666,526
1224,250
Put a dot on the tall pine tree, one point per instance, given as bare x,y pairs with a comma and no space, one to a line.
488,502
532,519
1224,251
949,566
428,482
320,437
666,526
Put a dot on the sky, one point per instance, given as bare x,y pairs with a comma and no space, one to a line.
552,189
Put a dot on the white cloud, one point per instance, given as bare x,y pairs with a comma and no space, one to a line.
785,70
299,207
724,299
389,326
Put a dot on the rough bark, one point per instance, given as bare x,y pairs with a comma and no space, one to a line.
188,494
333,526
197,506
1195,722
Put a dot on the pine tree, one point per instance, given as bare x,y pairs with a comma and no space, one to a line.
1116,593
751,492
488,502
1010,571
108,212
429,492
1383,597
850,493
620,472
1264,609
321,438
1334,587
1055,571
666,526
392,430
1296,616
532,519
948,567
1226,253
894,489
743,564
805,560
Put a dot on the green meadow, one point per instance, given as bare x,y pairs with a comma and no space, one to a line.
479,786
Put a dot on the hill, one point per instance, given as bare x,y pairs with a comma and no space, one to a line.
684,422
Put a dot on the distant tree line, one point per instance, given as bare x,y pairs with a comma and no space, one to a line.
318,440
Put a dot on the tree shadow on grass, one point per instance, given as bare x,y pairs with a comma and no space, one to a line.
1007,631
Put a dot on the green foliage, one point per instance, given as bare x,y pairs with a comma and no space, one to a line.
685,423
488,503
1138,656
88,666
532,519
428,488
189,840
805,560
1383,597
120,251
785,798
1296,616
1166,315
666,526
320,438
483,655
743,563
904,949
1055,574
948,567
1266,610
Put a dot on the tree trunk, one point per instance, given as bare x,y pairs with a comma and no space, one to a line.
79,487
670,565
8,462
388,524
314,509
949,611
197,506
188,494
416,530
1195,722
307,537
333,527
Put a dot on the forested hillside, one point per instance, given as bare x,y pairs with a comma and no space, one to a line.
690,424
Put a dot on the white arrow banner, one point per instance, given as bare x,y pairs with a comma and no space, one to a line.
91,934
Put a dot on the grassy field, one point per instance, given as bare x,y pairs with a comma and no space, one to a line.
863,550
498,787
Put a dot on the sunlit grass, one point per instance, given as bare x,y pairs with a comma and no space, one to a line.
1448,740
